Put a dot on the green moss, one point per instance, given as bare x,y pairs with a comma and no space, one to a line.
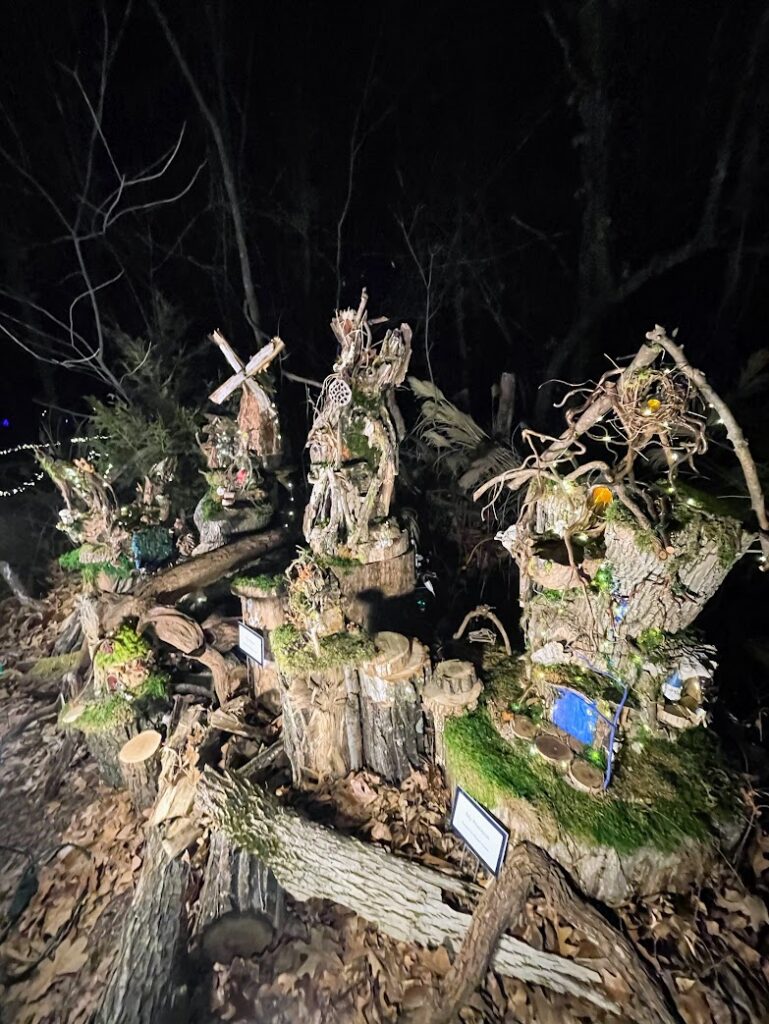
268,584
70,560
592,684
650,641
127,646
120,570
117,709
603,581
617,513
210,507
503,677
494,771
294,652
548,594
105,715
369,403
338,563
55,667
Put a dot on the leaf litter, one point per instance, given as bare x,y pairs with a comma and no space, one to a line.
709,946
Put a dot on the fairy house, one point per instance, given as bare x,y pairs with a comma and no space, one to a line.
618,553
353,447
239,452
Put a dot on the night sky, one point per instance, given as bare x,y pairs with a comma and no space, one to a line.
562,176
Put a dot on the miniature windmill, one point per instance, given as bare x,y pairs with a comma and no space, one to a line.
257,416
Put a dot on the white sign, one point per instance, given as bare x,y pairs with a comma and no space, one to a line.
251,643
485,836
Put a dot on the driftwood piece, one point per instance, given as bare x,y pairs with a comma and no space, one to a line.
484,611
453,690
503,902
390,690
140,764
405,900
321,724
147,982
734,432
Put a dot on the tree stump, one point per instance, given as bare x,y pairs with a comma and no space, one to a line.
391,685
235,881
453,690
321,723
262,611
140,764
378,578
104,746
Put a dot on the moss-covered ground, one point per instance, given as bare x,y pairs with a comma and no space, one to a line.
662,794
294,652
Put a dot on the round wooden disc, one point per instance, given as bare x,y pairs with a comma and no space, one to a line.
140,747
586,776
553,750
523,727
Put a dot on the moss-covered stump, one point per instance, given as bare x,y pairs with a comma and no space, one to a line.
657,829
390,689
263,608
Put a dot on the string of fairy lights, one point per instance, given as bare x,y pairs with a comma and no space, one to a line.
35,479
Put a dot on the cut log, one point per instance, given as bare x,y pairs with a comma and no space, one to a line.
147,984
391,684
502,904
236,880
391,577
140,763
104,747
321,724
553,750
453,690
403,899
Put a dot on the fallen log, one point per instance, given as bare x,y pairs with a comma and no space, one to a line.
528,868
147,984
403,899
171,584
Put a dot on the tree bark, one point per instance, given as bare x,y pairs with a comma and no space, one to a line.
321,724
236,880
104,747
147,983
173,583
365,585
263,613
390,688
528,868
405,900
453,690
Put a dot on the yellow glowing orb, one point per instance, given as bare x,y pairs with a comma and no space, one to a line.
600,498
653,405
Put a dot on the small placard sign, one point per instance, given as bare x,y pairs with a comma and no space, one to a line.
251,643
485,836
